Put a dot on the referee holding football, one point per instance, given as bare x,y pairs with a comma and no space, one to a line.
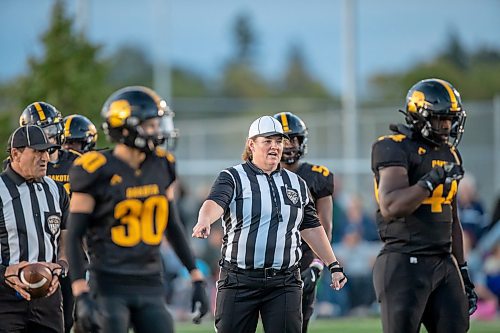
266,209
33,213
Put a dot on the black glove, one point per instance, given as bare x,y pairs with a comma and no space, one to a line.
310,277
440,175
199,305
469,288
87,312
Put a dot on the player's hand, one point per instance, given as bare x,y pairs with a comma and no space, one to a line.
199,305
87,312
310,277
12,279
469,289
440,175
56,269
201,229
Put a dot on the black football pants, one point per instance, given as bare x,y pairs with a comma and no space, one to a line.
241,298
420,289
146,313
40,315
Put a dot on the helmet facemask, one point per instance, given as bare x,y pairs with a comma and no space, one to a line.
145,136
170,133
299,148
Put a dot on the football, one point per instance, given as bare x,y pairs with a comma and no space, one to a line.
37,277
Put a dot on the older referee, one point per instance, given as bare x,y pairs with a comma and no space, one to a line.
266,210
33,210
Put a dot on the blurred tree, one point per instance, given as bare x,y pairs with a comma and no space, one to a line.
129,65
68,75
245,38
297,80
474,74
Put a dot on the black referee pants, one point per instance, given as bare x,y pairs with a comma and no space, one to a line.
40,315
420,289
242,296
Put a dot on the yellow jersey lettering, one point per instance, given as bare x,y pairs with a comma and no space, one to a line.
321,169
142,191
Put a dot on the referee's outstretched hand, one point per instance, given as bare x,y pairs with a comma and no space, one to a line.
201,230
12,279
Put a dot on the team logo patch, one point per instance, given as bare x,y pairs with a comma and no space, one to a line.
54,222
293,195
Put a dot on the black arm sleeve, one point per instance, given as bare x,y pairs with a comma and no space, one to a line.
176,236
77,226
310,219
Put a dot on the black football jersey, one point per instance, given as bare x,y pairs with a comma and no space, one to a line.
319,180
428,229
131,210
59,171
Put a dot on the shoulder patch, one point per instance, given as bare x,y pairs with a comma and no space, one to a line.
91,161
393,137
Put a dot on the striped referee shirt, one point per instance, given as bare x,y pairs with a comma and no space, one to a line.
263,216
32,215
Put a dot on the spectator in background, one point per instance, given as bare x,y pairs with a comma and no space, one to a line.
357,216
470,209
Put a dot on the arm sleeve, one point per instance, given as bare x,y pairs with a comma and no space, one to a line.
176,236
324,186
388,152
64,203
77,226
222,191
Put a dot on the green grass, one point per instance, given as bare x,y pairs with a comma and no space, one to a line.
349,325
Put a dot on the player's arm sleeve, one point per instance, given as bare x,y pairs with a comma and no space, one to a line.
64,204
223,189
78,224
387,152
177,237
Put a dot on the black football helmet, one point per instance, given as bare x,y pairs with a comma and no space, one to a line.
435,98
125,111
47,117
293,126
79,129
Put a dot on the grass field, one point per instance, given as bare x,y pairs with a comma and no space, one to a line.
350,325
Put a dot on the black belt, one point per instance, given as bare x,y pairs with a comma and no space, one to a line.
258,272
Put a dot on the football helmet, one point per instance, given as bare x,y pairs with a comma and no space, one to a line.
435,98
294,127
47,117
79,129
125,112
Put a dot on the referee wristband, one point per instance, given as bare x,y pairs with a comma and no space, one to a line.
335,267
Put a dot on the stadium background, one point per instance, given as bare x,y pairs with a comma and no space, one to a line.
363,58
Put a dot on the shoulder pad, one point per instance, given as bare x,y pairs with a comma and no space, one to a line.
160,152
393,137
91,161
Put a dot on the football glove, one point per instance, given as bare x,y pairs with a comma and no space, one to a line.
310,277
199,305
440,175
87,312
469,288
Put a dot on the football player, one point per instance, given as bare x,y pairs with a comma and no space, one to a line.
122,201
80,133
420,275
50,120
320,183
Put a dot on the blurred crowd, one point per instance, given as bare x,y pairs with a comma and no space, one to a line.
356,243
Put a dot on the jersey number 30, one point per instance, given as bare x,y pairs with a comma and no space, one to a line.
140,221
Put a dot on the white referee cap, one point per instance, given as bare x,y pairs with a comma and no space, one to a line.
266,126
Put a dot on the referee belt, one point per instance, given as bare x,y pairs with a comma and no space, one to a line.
264,273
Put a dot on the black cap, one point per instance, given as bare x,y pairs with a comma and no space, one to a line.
30,136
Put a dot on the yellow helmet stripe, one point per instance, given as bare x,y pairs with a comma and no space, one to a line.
284,122
453,98
39,109
67,126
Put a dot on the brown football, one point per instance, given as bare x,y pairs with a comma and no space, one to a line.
37,277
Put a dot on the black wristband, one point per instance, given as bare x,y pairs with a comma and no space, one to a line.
335,267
